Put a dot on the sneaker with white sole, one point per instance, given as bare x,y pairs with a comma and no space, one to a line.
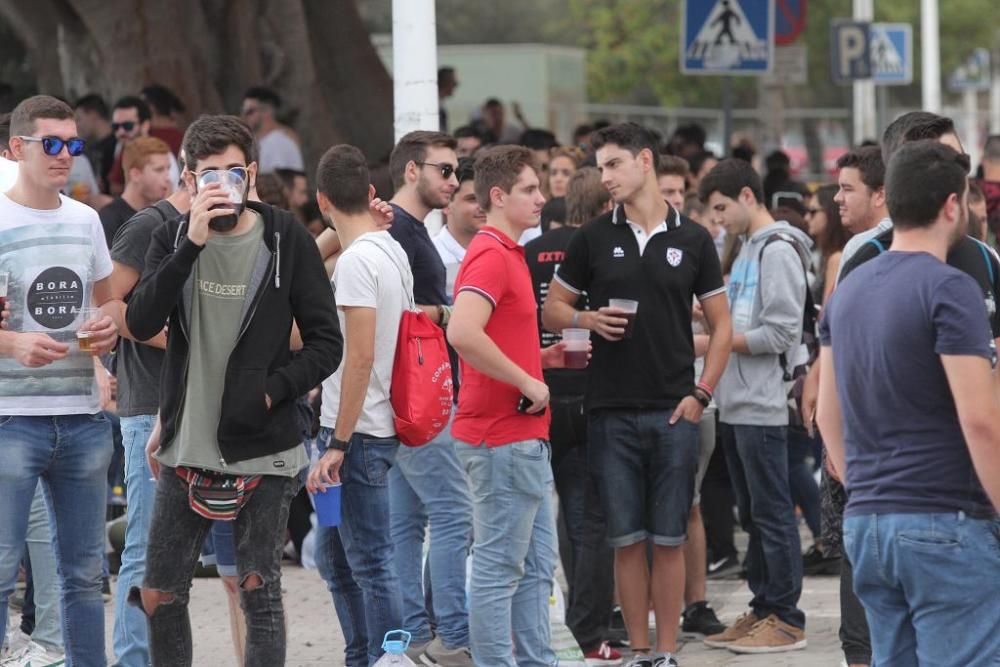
603,655
772,635
34,655
15,640
436,655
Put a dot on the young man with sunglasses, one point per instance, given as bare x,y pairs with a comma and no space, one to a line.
427,484
231,276
51,427
130,119
277,149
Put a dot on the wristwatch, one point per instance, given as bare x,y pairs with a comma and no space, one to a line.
339,445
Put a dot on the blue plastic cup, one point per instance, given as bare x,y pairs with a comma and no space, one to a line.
327,504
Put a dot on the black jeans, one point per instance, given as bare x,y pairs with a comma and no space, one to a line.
717,502
587,559
176,535
854,634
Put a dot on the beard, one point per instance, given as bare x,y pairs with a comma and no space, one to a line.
429,197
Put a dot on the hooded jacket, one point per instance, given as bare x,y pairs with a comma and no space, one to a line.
288,282
767,293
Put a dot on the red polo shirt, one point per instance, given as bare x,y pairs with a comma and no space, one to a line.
494,268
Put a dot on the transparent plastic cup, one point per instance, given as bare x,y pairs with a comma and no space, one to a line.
84,338
576,347
629,309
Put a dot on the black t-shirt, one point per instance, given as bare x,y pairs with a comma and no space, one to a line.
102,155
543,256
969,255
139,364
429,275
113,216
654,369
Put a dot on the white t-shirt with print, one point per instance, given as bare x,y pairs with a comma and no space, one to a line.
367,277
52,259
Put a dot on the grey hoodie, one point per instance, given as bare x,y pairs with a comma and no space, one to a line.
766,298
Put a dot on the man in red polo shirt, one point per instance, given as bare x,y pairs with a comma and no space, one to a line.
502,426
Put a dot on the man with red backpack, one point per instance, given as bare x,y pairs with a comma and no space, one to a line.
373,286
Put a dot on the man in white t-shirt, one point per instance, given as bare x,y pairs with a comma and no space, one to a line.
56,263
464,220
277,149
373,285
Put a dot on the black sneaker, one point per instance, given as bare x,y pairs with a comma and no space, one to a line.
664,662
725,568
814,563
700,621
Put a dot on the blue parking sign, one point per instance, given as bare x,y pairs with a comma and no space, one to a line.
727,36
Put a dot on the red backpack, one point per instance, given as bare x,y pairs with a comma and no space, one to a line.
421,389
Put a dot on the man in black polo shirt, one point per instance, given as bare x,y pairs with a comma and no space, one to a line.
643,403
427,485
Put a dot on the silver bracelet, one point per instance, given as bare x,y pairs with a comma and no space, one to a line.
576,319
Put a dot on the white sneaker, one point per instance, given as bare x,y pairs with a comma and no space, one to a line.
13,642
34,655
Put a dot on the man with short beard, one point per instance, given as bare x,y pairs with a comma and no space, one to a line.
427,485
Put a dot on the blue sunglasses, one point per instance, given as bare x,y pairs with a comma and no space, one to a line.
54,145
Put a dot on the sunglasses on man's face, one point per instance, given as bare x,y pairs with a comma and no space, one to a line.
128,126
446,169
53,146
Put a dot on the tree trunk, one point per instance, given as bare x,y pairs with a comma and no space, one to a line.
315,53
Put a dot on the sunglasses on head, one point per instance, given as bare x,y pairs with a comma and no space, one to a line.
52,146
128,126
446,169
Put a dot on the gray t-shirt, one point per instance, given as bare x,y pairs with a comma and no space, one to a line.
139,364
221,279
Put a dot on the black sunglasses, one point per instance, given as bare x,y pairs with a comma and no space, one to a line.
446,169
128,126
54,145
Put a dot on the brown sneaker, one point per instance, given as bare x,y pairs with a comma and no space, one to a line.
771,635
741,628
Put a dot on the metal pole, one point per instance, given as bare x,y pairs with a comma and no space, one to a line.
882,95
972,141
930,59
414,66
995,87
864,89
727,116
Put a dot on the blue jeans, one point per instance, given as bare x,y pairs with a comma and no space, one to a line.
428,484
758,465
131,641
44,576
930,586
514,554
355,559
70,453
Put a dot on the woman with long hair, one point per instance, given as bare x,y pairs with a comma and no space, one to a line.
830,235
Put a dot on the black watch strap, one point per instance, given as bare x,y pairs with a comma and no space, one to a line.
340,445
702,397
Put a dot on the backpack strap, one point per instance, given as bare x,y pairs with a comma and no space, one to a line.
877,244
986,258
407,285
809,308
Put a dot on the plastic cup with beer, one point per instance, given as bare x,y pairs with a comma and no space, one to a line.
576,347
85,337
629,309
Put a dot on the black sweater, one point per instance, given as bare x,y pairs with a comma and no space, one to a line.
288,283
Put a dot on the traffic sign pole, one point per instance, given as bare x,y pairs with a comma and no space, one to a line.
930,56
864,89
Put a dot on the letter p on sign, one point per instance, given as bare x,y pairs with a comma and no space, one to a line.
851,57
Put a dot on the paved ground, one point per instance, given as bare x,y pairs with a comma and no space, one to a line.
315,639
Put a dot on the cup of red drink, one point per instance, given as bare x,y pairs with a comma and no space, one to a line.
628,309
576,347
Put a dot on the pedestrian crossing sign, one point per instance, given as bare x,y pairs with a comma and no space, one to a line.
891,52
727,36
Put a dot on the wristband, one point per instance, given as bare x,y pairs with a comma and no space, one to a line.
445,315
339,445
576,319
700,396
706,388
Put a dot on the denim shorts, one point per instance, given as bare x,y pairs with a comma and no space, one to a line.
645,471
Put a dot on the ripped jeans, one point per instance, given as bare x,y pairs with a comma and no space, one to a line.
176,535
